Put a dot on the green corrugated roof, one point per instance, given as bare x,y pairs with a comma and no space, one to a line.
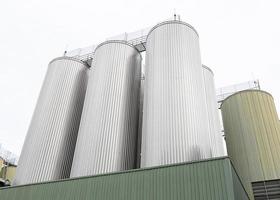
208,179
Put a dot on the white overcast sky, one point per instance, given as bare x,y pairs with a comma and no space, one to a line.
239,40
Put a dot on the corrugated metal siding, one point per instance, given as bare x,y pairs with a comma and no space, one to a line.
215,130
238,188
252,135
175,127
210,180
108,131
50,142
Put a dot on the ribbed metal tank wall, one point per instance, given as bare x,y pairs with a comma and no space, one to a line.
108,131
215,130
175,127
252,135
49,146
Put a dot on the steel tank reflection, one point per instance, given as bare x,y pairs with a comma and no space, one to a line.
49,146
108,131
175,127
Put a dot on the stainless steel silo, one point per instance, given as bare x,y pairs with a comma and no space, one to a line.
215,130
108,132
252,135
49,146
175,127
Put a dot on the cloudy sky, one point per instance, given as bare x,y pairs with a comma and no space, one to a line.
239,39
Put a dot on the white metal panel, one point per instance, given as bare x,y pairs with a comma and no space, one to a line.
108,131
215,131
49,145
175,127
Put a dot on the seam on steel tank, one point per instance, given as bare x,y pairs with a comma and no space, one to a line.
123,172
208,68
171,22
250,90
118,42
69,58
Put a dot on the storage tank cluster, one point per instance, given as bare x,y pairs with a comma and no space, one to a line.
104,119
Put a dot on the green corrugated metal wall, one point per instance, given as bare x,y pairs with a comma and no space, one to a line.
238,187
209,179
252,135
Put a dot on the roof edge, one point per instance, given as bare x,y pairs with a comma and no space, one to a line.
122,172
69,58
242,91
208,68
118,42
172,22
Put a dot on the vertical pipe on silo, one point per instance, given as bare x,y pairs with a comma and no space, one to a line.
175,127
48,149
108,131
139,136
